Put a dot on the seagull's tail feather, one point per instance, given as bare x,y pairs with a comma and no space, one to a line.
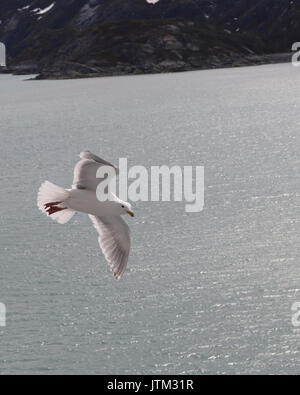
51,200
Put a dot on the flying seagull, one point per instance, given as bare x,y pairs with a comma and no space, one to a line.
61,204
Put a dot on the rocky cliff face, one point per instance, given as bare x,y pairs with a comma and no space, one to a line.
80,37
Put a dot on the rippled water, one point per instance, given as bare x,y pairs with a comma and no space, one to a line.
204,293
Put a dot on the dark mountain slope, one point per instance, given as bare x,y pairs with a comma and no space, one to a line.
79,37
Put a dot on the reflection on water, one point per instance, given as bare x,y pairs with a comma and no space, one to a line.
209,292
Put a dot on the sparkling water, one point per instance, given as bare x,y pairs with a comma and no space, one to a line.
204,293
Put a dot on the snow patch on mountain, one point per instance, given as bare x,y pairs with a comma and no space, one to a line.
39,11
24,8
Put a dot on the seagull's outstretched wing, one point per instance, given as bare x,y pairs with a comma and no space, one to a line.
86,169
114,240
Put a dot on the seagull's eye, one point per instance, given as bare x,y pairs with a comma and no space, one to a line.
123,207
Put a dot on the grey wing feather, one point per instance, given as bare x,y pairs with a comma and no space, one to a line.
85,171
95,158
114,240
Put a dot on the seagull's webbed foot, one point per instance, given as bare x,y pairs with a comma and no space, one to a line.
52,208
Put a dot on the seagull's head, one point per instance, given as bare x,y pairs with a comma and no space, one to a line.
126,209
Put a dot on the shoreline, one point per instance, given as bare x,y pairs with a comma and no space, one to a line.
73,70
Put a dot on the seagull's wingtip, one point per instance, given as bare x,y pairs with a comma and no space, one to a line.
84,154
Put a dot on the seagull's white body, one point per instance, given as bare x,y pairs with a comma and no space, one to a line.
61,204
86,201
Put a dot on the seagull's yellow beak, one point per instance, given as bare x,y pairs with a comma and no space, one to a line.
131,213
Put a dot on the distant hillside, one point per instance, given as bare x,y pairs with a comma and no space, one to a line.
73,38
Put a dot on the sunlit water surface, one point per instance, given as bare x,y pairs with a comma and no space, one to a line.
204,293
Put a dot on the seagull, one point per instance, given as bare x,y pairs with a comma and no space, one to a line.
61,204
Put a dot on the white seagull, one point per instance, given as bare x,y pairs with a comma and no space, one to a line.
61,204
